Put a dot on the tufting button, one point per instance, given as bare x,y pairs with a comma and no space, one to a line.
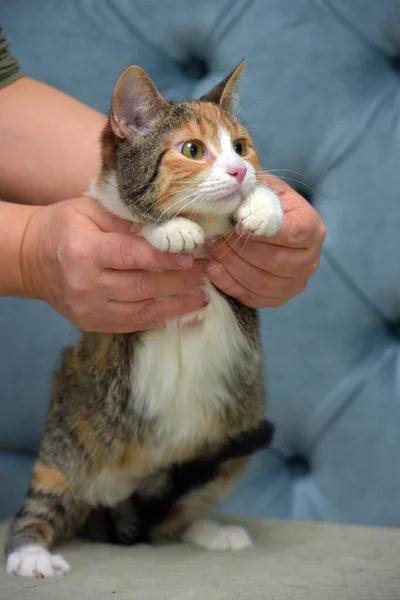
395,60
195,67
393,328
298,465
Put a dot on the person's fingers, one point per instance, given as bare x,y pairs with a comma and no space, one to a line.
245,275
300,229
122,252
134,315
104,220
285,262
302,226
242,277
273,294
222,280
132,286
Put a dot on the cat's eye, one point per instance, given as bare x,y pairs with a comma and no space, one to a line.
193,149
240,147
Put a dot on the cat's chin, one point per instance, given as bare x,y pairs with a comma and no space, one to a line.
229,203
225,205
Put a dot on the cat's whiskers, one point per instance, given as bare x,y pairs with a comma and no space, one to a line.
215,187
140,202
144,198
195,194
192,197
288,170
138,187
231,247
165,196
202,200
291,179
247,239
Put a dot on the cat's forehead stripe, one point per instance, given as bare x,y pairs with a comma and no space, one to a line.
225,140
208,127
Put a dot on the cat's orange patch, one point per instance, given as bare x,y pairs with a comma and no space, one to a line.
129,457
48,478
109,144
90,440
121,456
142,459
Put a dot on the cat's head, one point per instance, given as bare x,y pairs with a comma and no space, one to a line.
161,159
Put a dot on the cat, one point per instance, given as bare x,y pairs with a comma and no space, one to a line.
147,432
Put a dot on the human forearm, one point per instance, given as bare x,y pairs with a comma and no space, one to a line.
50,143
13,223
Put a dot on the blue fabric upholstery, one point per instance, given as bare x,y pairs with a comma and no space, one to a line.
321,96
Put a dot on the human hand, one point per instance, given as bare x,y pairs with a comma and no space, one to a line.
267,272
88,266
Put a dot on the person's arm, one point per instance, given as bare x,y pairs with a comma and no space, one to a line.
14,220
49,143
82,261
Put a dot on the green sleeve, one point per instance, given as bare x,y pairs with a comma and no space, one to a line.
9,67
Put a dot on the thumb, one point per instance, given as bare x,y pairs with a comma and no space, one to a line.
108,222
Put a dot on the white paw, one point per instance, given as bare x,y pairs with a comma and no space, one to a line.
261,213
213,536
177,235
35,561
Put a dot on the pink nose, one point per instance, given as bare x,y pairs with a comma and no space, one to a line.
238,172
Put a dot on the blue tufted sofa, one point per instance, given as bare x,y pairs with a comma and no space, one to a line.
322,98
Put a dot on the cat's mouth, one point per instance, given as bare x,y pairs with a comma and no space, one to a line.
237,195
231,201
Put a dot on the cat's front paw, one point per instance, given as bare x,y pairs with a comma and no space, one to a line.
36,561
177,235
261,213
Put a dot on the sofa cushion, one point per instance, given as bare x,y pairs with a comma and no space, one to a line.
320,96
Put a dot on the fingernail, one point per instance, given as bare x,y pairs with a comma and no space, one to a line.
214,270
135,227
184,260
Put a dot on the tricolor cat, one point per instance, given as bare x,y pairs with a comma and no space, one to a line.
146,432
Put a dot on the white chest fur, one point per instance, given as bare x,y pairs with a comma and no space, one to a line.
178,373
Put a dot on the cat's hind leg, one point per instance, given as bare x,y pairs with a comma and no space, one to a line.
49,514
204,485
211,535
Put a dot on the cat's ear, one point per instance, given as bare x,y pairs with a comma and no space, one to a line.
225,92
136,103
